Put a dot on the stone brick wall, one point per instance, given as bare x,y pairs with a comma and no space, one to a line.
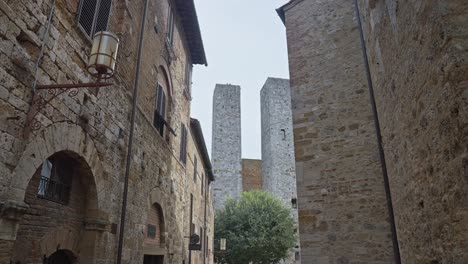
96,128
194,187
226,143
251,175
419,64
341,199
278,164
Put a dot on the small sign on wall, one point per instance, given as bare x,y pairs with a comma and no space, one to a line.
151,231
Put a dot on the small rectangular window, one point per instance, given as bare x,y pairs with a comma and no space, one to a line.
183,145
195,168
93,16
202,183
294,203
170,26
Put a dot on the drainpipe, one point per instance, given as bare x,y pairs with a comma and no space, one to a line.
45,37
131,135
388,194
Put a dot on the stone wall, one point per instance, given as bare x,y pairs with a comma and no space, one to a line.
278,164
226,143
94,127
251,175
343,216
419,64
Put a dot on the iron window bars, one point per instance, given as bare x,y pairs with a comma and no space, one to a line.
53,190
93,16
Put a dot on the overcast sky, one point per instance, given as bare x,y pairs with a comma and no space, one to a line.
245,42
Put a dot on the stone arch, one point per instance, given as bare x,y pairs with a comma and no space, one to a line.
56,138
156,199
163,69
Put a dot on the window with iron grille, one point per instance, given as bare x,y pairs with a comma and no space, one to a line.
93,16
160,110
183,145
170,26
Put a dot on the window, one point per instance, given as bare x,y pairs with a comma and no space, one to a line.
55,181
294,203
160,110
93,16
195,168
170,26
183,145
188,78
202,183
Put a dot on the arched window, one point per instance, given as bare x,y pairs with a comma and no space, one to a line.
155,226
161,104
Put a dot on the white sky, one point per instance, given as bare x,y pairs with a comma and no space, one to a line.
245,42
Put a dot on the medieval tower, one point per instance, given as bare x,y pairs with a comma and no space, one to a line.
226,146
275,173
278,163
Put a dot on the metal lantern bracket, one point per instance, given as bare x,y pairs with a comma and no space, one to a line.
101,65
41,100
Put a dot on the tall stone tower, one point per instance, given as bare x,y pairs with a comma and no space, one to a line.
226,151
278,164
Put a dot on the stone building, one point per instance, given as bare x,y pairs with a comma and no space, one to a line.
226,144
351,173
278,164
61,184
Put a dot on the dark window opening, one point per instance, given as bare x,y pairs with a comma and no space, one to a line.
202,183
93,16
195,168
183,145
294,202
56,178
160,111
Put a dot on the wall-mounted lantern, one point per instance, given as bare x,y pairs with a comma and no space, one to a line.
103,55
101,65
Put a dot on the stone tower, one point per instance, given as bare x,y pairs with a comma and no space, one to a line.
278,164
226,151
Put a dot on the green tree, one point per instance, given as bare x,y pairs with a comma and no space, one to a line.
258,229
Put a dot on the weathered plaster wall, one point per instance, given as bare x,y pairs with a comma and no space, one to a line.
226,143
419,63
342,206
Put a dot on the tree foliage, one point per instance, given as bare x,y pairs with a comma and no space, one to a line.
258,229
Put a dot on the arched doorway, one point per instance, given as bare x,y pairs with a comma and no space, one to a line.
155,240
60,194
60,257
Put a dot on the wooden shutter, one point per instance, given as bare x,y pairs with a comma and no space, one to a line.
160,110
183,145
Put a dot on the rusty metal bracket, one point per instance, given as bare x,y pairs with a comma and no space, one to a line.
42,99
